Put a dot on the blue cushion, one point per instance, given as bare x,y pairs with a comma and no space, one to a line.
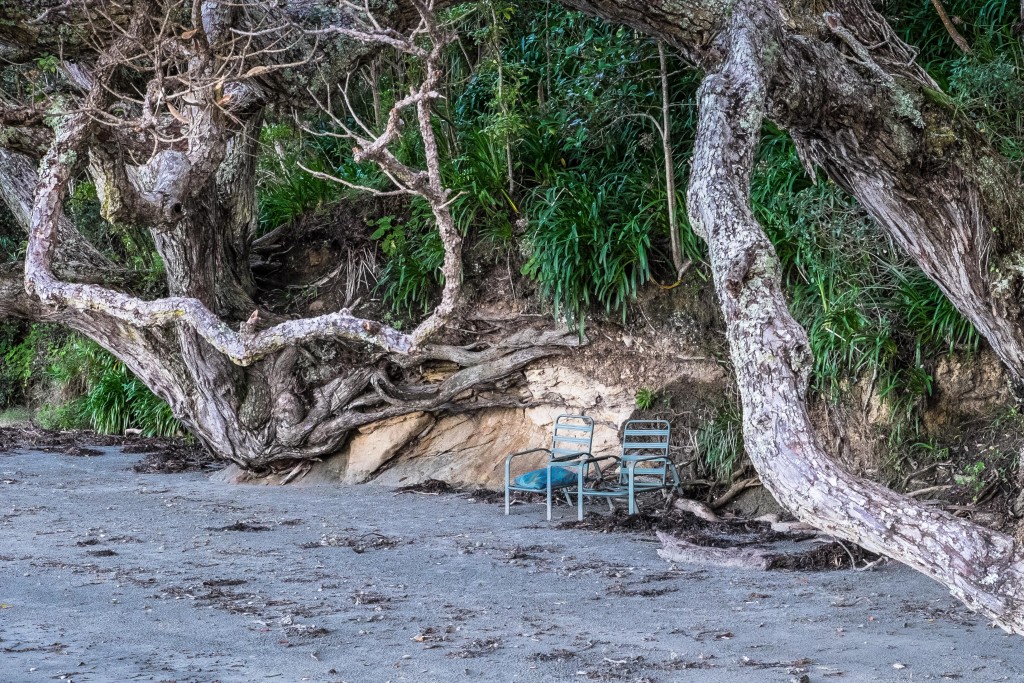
537,480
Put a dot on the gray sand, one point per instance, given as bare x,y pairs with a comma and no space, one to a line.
108,575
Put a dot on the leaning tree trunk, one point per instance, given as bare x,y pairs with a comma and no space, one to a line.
772,360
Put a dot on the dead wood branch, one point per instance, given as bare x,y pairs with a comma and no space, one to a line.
734,490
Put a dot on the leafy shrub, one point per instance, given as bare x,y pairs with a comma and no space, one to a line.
285,191
18,352
587,248
101,393
414,251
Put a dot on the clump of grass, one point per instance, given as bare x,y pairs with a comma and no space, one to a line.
414,253
720,443
89,387
587,249
645,398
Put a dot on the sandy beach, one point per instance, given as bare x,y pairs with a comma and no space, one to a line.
111,575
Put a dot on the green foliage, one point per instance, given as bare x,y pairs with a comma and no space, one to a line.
599,227
560,102
12,238
414,253
285,191
869,312
131,246
18,351
985,86
548,144
479,174
89,388
972,477
116,400
645,398
586,250
563,104
720,443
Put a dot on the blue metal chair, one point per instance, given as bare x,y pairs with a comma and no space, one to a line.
645,454
569,455
644,465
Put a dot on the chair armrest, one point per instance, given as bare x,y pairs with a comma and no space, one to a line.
508,460
599,458
631,460
527,452
600,473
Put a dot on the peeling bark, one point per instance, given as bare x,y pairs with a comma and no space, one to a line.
772,361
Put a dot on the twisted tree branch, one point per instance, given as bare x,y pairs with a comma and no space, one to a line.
772,359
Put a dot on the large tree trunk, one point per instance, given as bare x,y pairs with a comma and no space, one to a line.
276,390
286,405
772,359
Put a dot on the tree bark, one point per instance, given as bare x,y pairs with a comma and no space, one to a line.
772,359
251,395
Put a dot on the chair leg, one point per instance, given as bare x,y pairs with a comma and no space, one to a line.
508,501
579,496
677,484
632,493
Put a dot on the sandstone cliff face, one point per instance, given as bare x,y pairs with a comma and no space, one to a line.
599,380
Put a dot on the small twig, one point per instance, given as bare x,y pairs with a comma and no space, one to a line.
735,490
960,41
871,565
913,475
853,561
929,489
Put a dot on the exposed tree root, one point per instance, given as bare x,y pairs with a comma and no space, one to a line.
734,490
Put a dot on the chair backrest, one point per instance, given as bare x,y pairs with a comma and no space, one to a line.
646,437
573,434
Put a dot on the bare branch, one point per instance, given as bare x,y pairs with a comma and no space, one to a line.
428,183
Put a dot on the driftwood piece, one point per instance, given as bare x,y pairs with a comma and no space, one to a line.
827,555
696,508
675,549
